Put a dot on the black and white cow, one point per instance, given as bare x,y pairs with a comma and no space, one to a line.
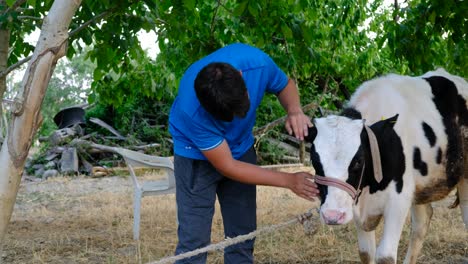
418,124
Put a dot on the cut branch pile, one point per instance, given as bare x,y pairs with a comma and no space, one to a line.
69,154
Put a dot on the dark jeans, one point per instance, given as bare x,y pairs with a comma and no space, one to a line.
198,183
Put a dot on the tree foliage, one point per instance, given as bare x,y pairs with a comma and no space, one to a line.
429,34
325,45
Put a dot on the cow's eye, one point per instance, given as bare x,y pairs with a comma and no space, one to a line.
357,165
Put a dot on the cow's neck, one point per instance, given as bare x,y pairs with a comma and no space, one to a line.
390,148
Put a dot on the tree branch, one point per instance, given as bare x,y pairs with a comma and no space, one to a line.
14,66
225,8
281,120
161,21
30,17
22,10
92,20
214,18
72,33
14,6
213,22
396,17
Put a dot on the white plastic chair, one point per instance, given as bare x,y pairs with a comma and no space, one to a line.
144,187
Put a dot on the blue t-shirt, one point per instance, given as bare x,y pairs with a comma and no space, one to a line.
194,130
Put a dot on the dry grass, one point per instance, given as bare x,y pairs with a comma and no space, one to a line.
90,221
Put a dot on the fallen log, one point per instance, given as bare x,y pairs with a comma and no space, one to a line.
69,161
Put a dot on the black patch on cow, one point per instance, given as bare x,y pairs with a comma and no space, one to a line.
439,156
317,164
462,111
429,133
391,154
315,160
418,163
351,113
450,106
311,134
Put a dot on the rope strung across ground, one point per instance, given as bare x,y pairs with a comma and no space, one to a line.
303,219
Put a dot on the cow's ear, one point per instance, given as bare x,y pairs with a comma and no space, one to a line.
391,121
312,134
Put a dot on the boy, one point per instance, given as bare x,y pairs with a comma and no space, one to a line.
211,123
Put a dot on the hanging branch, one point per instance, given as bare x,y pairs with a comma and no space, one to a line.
301,144
396,17
281,120
71,34
214,18
213,21
30,17
14,6
92,20
14,66
225,8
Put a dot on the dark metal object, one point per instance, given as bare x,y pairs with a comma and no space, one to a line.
68,117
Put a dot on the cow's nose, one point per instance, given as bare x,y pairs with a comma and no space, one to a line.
333,217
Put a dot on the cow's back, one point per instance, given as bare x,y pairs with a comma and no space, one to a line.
431,109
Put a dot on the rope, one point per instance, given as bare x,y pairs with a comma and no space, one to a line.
303,218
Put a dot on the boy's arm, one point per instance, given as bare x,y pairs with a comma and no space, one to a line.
300,182
296,122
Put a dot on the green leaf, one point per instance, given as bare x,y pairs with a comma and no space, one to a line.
307,34
432,17
10,2
253,9
260,41
240,8
287,32
189,4
98,73
31,2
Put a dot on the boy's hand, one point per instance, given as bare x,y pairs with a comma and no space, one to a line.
302,185
298,123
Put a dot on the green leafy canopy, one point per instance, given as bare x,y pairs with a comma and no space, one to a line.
324,44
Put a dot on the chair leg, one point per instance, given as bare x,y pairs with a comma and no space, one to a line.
136,214
177,216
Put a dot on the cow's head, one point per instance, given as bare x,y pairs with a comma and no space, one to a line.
340,149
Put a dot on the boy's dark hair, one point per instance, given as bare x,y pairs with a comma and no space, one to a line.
222,92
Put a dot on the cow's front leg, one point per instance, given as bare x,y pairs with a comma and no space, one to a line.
420,219
366,241
463,196
394,220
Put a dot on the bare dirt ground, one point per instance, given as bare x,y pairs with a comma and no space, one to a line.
86,220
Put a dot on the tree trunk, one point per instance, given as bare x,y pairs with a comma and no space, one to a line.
26,117
4,45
